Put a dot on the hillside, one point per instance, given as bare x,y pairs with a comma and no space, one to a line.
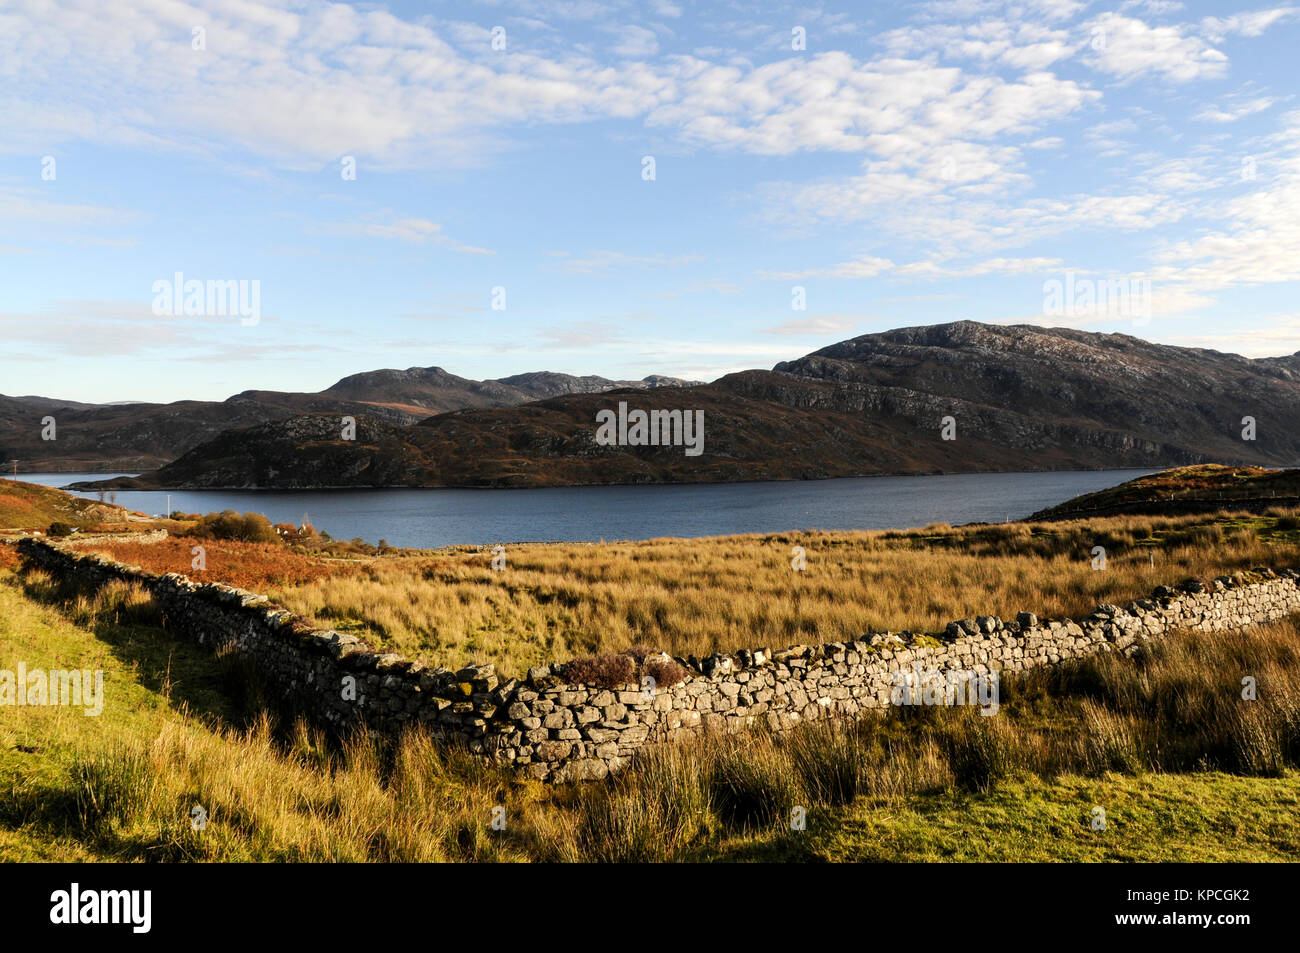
1023,398
27,506
1186,490
143,436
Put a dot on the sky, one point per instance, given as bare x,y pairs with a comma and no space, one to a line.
617,188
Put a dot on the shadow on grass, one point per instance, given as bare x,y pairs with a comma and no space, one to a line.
222,688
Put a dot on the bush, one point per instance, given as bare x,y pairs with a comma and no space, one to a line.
60,529
665,673
249,528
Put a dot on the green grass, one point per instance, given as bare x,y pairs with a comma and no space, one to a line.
180,727
1191,818
150,680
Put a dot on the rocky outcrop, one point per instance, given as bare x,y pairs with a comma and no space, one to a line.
555,731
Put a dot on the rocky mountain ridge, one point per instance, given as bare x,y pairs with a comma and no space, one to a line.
1019,398
143,436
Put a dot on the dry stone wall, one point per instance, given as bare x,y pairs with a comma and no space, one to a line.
561,732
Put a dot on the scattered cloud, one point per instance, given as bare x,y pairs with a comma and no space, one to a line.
716,287
595,262
871,267
579,334
1246,24
1128,48
1232,111
1276,336
836,325
414,231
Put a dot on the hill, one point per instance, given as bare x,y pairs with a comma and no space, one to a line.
1021,398
27,506
144,436
1185,490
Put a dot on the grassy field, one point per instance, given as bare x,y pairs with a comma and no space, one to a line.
557,601
1181,766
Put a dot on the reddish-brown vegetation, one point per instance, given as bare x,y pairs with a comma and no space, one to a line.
254,566
616,670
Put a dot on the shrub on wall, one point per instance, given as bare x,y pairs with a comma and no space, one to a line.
603,671
628,667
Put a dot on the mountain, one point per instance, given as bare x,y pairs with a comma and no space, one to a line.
542,384
143,436
1021,398
431,389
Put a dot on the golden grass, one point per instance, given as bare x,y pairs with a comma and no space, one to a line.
1020,785
557,601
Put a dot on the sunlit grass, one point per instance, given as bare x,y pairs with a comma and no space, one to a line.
1183,766
557,601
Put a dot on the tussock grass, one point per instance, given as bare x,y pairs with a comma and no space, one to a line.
560,601
181,729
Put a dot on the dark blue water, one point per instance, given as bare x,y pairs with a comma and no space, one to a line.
432,518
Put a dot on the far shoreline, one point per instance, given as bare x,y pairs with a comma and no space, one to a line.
97,485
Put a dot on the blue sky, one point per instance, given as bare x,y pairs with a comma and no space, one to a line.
913,163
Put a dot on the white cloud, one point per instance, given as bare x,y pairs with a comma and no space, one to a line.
579,334
415,231
28,204
306,85
1154,7
868,267
1255,235
830,101
595,262
906,207
1246,24
664,8
1128,48
717,287
820,326
1278,336
1023,45
1034,10
634,42
1232,111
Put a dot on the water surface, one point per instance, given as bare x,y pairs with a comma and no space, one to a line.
443,517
